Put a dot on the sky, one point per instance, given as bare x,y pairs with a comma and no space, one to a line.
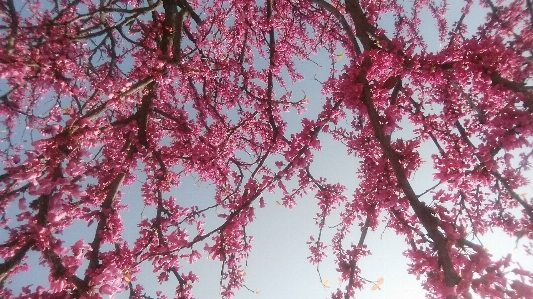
278,265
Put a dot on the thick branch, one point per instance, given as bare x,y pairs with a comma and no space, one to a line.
186,6
143,113
423,213
172,28
59,270
105,209
270,79
529,6
9,264
362,27
335,12
13,27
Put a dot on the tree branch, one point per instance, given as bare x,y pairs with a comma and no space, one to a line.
105,209
337,14
423,212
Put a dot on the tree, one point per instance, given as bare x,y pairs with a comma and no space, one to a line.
98,96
